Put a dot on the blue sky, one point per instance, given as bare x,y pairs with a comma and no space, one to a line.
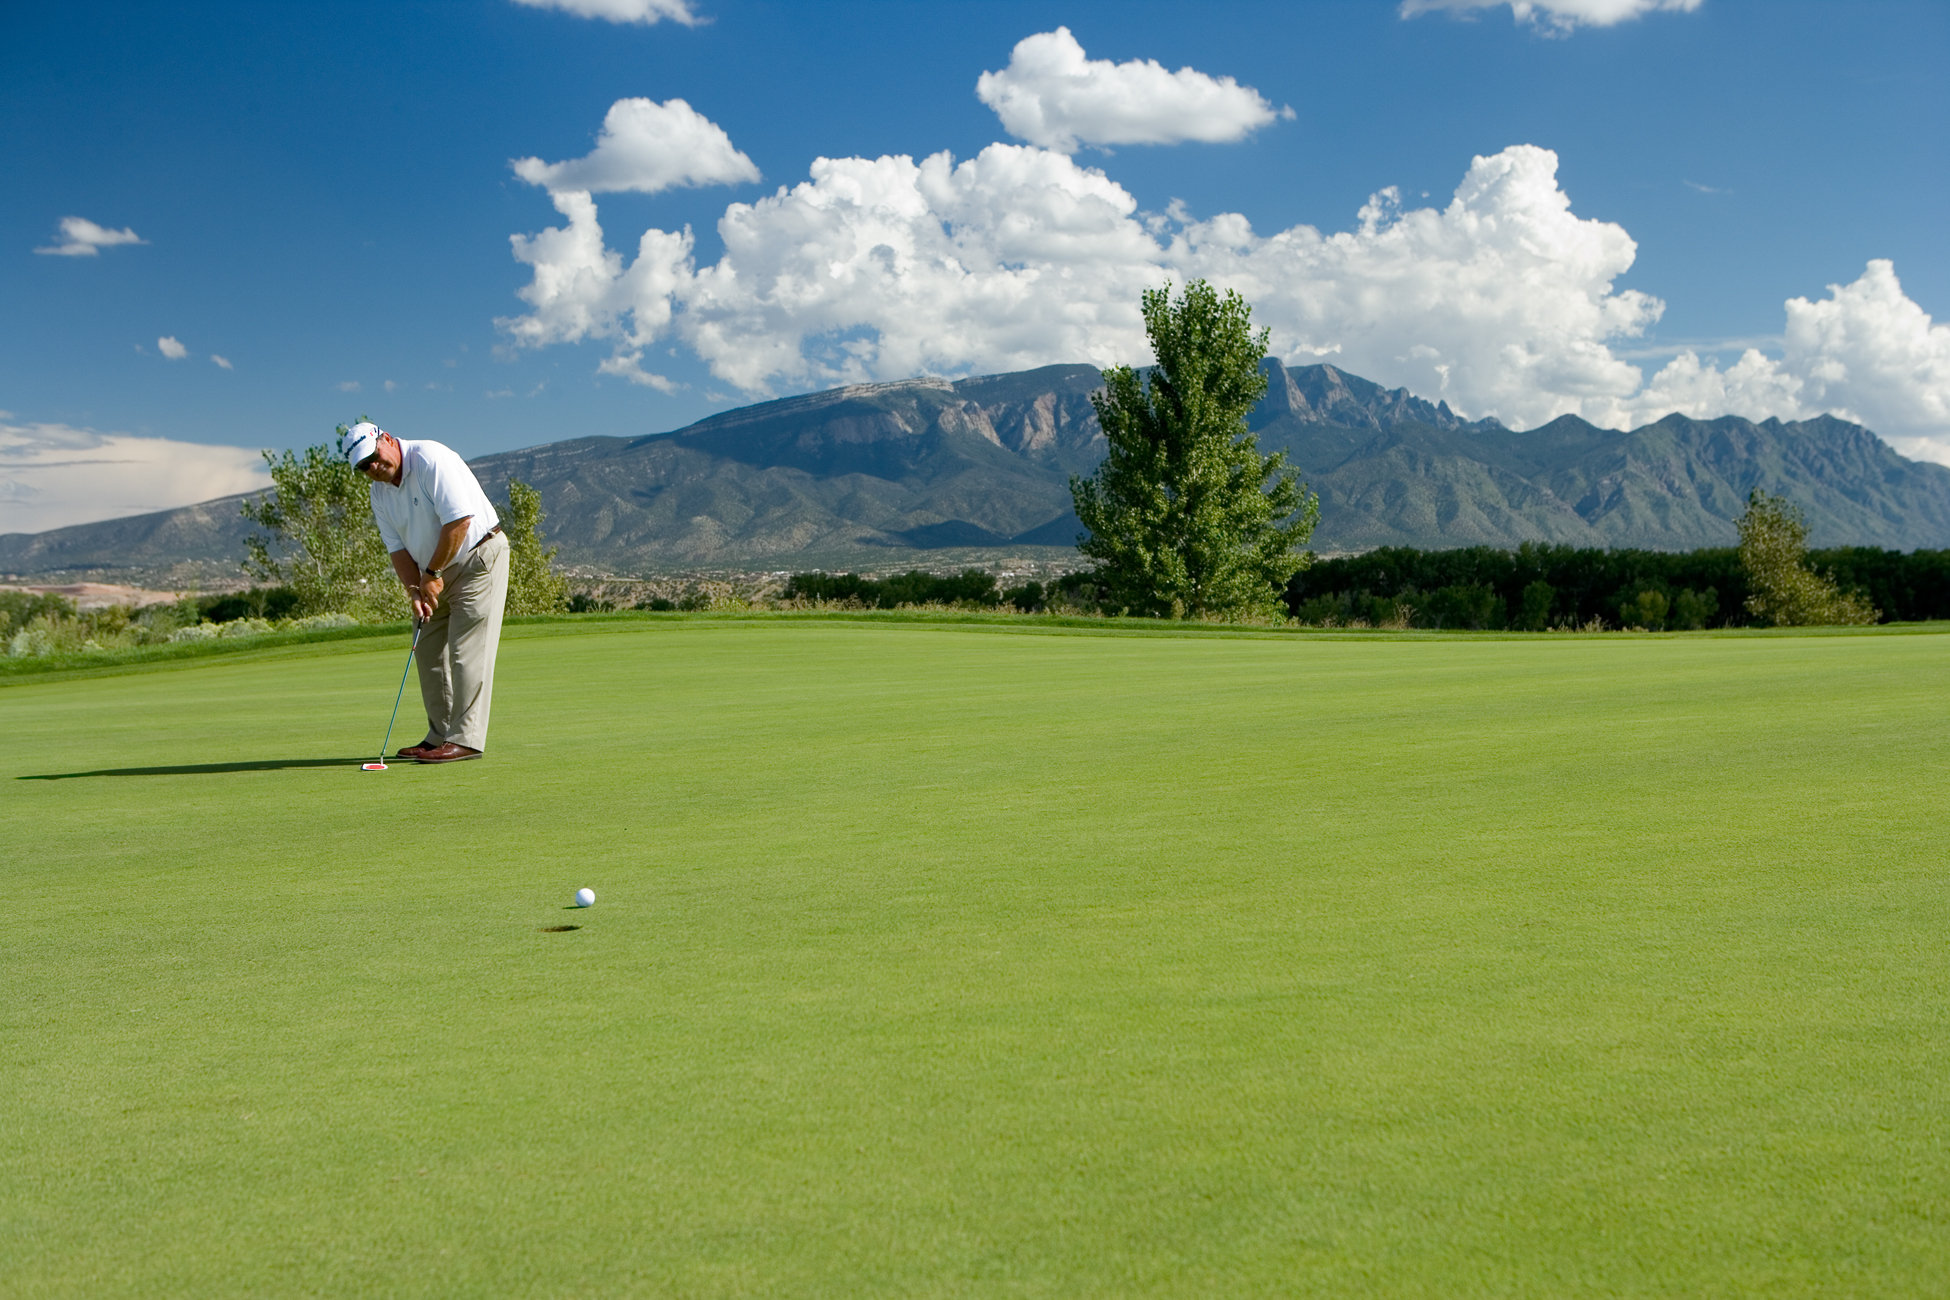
1598,206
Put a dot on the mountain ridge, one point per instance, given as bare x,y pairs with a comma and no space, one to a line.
932,470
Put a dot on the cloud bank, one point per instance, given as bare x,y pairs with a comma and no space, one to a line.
81,237
1502,301
1556,17
1053,96
647,12
54,475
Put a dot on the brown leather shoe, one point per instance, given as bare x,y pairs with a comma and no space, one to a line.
414,751
447,753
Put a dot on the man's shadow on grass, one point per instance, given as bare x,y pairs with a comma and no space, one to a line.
205,769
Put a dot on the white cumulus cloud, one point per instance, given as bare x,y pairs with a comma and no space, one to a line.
882,268
81,237
169,347
873,268
580,289
629,365
1503,300
1556,16
646,147
53,475
222,361
647,12
1052,95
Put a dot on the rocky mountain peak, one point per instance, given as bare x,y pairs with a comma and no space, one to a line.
1323,394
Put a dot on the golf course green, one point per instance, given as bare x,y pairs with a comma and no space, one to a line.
937,959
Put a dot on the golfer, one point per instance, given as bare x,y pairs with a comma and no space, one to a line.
448,550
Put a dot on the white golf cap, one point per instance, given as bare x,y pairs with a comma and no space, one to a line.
359,442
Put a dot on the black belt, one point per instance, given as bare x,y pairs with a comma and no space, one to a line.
484,541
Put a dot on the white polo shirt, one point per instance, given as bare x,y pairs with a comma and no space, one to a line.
435,488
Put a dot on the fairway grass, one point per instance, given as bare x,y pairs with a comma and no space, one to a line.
933,961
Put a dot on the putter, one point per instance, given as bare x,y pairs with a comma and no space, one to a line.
380,766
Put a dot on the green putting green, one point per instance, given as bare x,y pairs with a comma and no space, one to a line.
936,960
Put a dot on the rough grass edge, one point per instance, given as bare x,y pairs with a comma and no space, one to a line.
138,659
106,663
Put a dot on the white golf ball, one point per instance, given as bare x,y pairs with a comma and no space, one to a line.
585,897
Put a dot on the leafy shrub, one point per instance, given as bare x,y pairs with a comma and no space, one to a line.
831,588
57,628
970,587
1692,610
316,622
156,623
120,627
19,608
1323,611
1027,597
1646,610
1462,605
31,640
258,602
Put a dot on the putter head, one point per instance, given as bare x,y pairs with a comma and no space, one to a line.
372,767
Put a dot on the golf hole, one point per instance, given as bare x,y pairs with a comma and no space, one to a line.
559,929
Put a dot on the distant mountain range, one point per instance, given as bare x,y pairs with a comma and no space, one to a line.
928,471
1393,470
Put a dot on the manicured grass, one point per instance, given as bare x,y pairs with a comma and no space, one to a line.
932,961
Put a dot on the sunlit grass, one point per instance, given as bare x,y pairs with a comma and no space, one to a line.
932,960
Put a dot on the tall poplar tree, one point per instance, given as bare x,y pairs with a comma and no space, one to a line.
1187,519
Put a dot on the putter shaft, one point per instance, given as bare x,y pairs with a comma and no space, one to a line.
399,694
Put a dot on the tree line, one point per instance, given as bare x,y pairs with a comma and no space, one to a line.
1539,586
1533,587
971,588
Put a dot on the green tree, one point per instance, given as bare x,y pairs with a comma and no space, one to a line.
1186,518
19,608
1645,609
1691,609
322,542
1782,589
534,586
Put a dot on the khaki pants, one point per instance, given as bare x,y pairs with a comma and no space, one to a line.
458,643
